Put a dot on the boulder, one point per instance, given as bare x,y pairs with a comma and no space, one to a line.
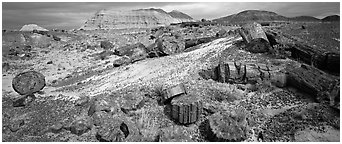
226,126
168,44
136,51
81,126
118,129
29,82
252,31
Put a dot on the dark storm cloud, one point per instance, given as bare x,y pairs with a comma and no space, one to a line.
69,15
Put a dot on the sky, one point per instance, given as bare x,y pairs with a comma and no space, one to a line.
69,15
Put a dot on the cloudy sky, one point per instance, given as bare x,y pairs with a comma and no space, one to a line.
67,15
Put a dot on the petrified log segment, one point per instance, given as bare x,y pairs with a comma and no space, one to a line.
174,91
186,109
329,61
28,82
309,79
226,126
223,72
252,31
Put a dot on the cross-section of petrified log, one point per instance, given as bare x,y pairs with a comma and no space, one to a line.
174,91
28,82
252,31
186,109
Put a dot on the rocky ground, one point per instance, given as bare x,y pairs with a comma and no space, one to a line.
86,98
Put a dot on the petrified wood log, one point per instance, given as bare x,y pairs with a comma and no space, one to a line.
309,79
28,82
186,109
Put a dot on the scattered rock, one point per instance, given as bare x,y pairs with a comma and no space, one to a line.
82,101
23,100
303,27
101,117
114,130
5,67
103,55
81,126
56,38
28,82
49,62
102,103
16,125
106,45
124,60
221,33
56,128
132,102
307,135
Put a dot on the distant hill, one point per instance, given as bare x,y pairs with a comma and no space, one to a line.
252,15
31,27
141,18
178,14
266,16
305,18
331,18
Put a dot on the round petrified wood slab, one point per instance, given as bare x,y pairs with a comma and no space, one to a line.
28,82
186,109
226,126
